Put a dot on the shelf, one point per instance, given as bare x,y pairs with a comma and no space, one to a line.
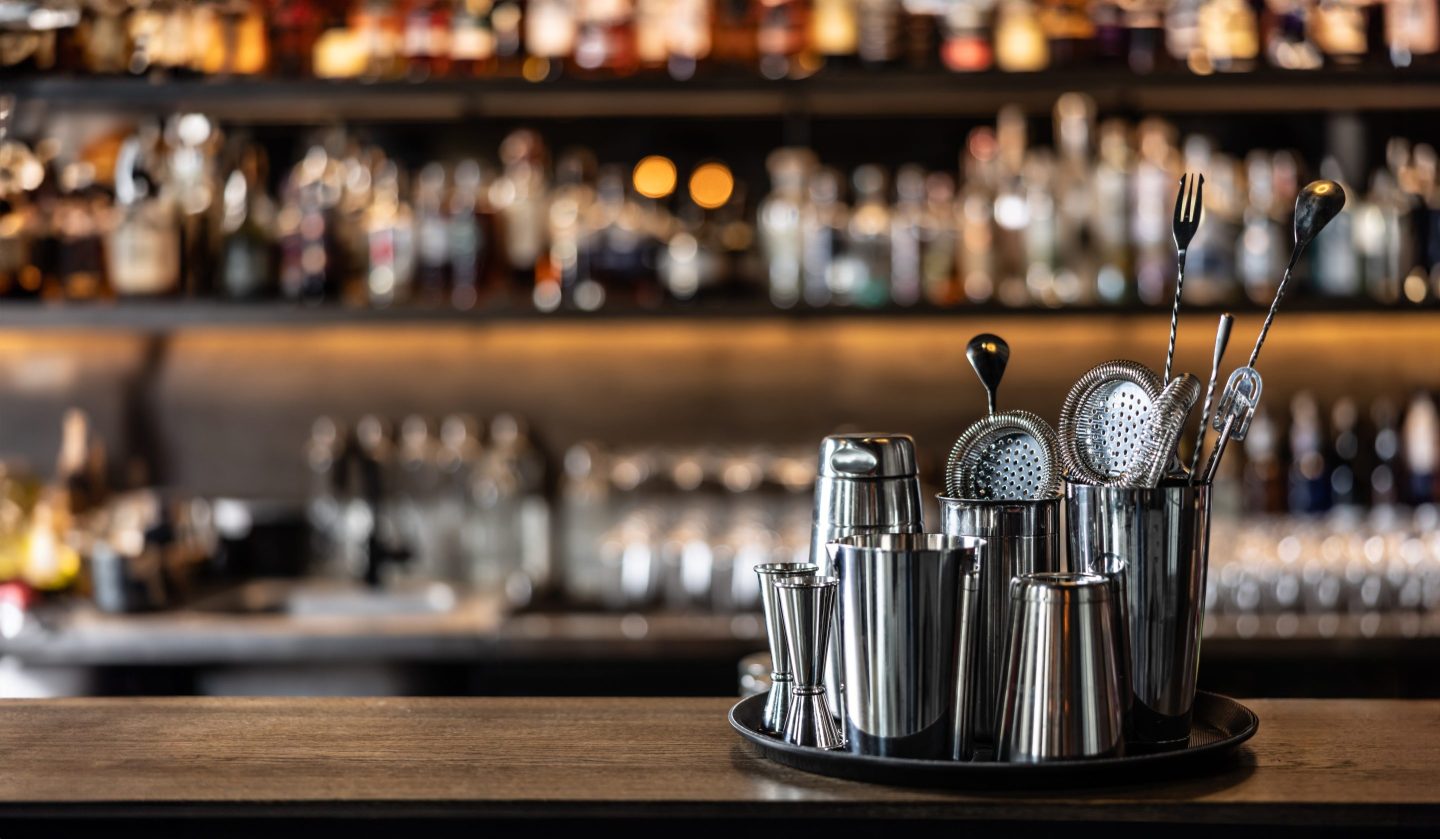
894,93
175,315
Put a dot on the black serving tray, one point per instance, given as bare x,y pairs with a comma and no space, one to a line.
1219,726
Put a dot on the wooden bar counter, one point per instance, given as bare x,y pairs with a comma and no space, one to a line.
315,764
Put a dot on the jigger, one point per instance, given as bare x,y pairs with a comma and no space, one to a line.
807,608
773,720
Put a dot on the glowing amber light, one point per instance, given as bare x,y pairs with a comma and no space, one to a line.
711,185
654,177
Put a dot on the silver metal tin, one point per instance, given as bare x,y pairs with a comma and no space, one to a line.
1021,537
807,610
907,624
867,485
1062,698
1163,537
780,670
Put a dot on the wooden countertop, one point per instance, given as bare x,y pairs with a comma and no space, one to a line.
1322,762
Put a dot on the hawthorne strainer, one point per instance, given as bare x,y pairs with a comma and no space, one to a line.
1164,423
1006,456
1102,423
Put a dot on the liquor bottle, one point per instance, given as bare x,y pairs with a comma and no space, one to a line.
939,243
879,31
922,32
472,38
20,277
734,36
980,170
1288,41
246,259
907,232
688,37
508,22
1075,261
379,27
550,36
652,33
605,37
1420,442
1384,477
1229,39
567,261
1108,22
1339,29
867,240
230,38
1309,484
1109,226
1260,250
1152,202
103,37
823,220
1144,33
965,36
1337,270
1412,31
390,231
520,199
623,256
835,31
1378,229
143,248
425,43
294,27
781,234
1069,29
1263,480
1020,38
1345,484
432,251
466,238
308,270
780,39
162,36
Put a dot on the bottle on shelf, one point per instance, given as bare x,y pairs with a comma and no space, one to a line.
1021,45
1309,475
1412,31
965,36
605,38
551,30
468,236
1346,489
1420,441
247,247
824,217
142,248
864,272
781,39
390,231
908,231
781,233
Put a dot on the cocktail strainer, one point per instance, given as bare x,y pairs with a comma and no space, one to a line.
1103,419
1160,432
1006,456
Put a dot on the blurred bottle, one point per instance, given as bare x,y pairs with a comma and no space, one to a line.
688,38
734,33
605,37
780,213
1020,38
472,38
467,237
780,38
1340,31
390,231
432,239
1109,226
1287,28
1309,484
519,196
908,232
1384,476
516,454
865,276
1229,38
879,32
247,246
1346,489
1260,253
1069,29
980,173
551,28
1144,33
1412,31
823,220
939,243
1337,269
508,21
1264,479
425,45
143,248
835,32
1152,204
965,36
1420,441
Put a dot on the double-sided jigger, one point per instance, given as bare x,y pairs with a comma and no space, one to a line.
1062,681
908,627
780,661
807,610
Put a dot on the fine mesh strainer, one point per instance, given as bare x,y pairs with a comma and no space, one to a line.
1160,432
1103,419
1007,456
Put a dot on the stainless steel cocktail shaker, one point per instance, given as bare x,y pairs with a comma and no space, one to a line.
867,484
1021,537
1160,539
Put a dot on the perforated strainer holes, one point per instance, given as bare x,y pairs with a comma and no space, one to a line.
1115,426
1009,466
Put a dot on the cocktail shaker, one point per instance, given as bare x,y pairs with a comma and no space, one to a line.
867,484
1161,539
1021,537
1062,696
907,623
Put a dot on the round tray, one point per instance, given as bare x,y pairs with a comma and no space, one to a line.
1220,725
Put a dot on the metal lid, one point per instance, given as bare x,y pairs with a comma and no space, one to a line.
867,456
1060,587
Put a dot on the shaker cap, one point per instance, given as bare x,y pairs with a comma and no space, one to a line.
867,456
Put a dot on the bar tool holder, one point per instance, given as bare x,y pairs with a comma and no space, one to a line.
1021,537
867,484
807,610
780,668
1163,537
909,626
1062,696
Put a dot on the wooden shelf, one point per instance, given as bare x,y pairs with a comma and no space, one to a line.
843,94
175,315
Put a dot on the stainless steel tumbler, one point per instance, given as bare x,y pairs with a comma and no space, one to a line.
1062,696
1021,537
907,623
1162,537
807,609
773,720
867,484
